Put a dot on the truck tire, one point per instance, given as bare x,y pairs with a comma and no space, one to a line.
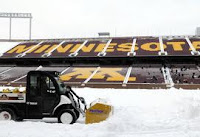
67,117
7,114
77,113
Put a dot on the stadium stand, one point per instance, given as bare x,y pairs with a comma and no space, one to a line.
113,47
119,62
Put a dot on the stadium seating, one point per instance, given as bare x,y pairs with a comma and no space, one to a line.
105,47
185,74
120,62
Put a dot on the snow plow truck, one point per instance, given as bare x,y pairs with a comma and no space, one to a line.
45,95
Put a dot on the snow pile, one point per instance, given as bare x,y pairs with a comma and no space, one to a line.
138,113
5,46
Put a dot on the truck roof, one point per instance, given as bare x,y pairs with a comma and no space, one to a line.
54,73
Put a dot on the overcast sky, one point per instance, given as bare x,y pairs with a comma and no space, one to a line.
85,18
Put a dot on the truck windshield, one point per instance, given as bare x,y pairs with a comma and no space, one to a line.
62,89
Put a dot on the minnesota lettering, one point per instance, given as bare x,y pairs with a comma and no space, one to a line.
67,48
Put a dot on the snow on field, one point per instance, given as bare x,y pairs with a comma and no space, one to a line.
137,113
5,46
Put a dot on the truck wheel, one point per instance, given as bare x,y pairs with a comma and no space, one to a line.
67,117
7,114
77,114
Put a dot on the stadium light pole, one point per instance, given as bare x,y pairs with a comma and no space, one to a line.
17,15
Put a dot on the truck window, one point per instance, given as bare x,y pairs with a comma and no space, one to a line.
47,85
35,85
50,83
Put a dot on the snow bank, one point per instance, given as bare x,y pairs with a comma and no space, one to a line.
5,46
138,113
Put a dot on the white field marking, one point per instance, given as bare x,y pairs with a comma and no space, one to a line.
198,68
190,44
64,70
18,79
79,48
38,68
49,53
132,48
127,76
167,76
56,46
170,78
161,44
34,47
6,70
162,51
88,79
103,52
24,53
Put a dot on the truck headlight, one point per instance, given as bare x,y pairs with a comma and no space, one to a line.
68,88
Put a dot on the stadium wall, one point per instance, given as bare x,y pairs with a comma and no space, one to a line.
119,62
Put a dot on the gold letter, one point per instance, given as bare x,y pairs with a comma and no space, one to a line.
78,73
113,74
75,48
88,48
41,49
51,48
147,46
196,44
177,46
124,47
110,47
20,49
61,49
100,47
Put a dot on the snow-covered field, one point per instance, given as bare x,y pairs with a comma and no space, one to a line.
137,113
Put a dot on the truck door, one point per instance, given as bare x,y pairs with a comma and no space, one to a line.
50,98
34,98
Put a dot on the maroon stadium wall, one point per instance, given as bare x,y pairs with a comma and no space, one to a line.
125,62
105,47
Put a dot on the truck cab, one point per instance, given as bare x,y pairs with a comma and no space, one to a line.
45,96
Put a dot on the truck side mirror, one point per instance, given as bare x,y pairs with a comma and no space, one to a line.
62,85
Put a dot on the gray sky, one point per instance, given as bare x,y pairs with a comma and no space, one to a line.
85,18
